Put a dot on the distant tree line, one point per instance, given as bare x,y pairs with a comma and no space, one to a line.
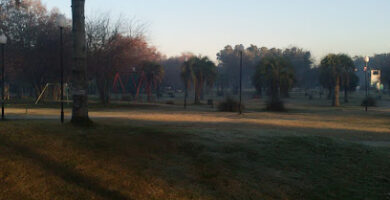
117,50
32,52
300,60
112,48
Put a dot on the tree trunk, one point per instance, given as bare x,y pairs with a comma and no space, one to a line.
346,88
185,94
139,86
336,100
330,93
149,91
103,87
197,87
202,94
260,92
79,70
275,91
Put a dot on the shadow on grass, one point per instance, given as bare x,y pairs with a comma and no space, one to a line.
221,165
349,133
67,174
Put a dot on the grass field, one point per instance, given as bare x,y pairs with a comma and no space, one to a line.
150,151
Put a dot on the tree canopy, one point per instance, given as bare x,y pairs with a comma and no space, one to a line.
274,73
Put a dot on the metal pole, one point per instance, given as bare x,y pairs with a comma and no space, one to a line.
2,80
365,77
185,95
240,107
62,75
368,81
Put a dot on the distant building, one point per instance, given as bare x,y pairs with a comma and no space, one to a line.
376,79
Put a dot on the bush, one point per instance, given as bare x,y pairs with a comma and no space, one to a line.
277,106
127,98
369,101
230,105
170,102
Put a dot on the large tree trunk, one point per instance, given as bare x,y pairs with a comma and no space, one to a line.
336,100
79,70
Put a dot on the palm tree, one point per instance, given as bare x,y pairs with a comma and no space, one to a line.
204,73
326,80
187,77
79,71
336,66
154,74
200,71
274,73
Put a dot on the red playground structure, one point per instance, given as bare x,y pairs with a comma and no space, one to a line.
123,85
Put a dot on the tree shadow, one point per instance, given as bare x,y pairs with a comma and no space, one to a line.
65,173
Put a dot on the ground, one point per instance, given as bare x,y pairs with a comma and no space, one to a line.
158,151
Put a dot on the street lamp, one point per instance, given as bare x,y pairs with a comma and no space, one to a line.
185,82
3,41
241,49
61,22
366,60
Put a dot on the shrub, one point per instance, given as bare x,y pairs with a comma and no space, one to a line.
170,102
229,105
369,101
127,98
277,106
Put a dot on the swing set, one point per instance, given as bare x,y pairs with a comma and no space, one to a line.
133,80
48,90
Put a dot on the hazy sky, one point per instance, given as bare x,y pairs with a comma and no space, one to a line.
356,27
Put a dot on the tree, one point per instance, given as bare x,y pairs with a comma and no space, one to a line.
200,71
79,70
204,73
111,52
172,68
348,76
187,76
33,35
301,62
229,65
229,58
154,74
272,72
333,67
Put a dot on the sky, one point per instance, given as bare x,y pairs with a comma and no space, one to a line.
355,27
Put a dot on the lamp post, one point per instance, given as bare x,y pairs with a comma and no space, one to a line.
61,22
185,64
3,41
366,60
241,49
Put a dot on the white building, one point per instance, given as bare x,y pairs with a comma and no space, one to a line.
376,79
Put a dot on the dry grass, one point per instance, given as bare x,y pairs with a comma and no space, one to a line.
311,152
